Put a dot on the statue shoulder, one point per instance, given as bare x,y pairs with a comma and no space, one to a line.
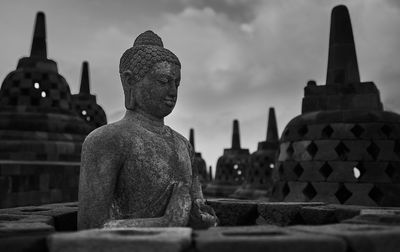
184,141
107,136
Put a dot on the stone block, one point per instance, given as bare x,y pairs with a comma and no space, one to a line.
360,237
342,131
24,236
311,171
263,238
219,190
325,192
284,213
300,151
361,194
287,171
64,215
373,172
171,239
358,150
326,214
20,218
231,212
342,171
326,150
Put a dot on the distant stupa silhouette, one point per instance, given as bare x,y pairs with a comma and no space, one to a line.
85,103
343,148
40,135
258,178
199,162
231,167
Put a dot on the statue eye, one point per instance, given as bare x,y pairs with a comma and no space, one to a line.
163,80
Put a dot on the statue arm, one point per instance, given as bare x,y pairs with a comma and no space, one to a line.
100,166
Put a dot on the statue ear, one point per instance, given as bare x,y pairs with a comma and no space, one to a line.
128,86
126,78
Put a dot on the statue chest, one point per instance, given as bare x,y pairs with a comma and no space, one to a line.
156,160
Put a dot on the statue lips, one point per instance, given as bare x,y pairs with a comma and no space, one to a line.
170,102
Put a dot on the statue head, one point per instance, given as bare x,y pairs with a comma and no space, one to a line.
150,76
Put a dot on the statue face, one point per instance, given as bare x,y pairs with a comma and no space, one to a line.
157,92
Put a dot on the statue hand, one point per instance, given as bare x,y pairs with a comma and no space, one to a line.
202,216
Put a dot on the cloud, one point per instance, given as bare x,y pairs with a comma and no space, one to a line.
241,11
238,57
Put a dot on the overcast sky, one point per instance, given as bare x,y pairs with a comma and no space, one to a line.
238,57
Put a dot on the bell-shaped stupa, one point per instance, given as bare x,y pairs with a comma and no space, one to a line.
258,178
343,148
85,103
40,134
231,167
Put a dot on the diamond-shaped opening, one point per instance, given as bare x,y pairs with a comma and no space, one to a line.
302,130
326,170
298,170
342,150
343,194
280,169
309,191
373,150
358,170
376,195
290,150
357,130
327,131
387,130
390,170
312,149
396,148
285,190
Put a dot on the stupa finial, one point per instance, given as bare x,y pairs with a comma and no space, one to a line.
235,135
39,49
85,88
342,58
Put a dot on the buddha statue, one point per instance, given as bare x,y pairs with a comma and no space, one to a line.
138,172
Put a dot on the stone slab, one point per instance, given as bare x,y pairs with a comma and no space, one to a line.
64,214
24,236
360,237
263,238
26,218
232,212
326,214
120,240
284,213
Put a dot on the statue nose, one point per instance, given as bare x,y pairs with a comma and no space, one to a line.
173,90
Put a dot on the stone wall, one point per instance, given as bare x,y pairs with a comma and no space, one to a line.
244,226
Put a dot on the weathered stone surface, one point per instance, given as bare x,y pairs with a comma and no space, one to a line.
24,236
120,240
284,213
138,172
231,212
377,216
264,238
64,215
326,214
360,237
26,218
